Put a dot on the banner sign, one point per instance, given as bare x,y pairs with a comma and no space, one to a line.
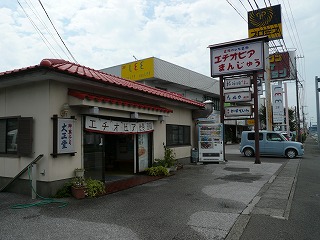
65,135
117,127
238,96
238,111
237,58
265,22
138,70
237,83
277,104
281,66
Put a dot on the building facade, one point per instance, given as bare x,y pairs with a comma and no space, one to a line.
78,117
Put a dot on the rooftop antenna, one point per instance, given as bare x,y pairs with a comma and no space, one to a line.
134,57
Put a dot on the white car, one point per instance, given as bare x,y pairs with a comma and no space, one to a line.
270,143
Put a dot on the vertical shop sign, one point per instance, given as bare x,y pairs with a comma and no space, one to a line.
277,103
65,135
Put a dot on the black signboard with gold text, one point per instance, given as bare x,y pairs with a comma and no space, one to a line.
265,22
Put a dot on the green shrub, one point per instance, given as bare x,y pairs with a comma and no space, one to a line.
168,160
157,171
94,187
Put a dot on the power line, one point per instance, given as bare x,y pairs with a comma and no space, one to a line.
42,36
57,31
237,11
35,12
294,23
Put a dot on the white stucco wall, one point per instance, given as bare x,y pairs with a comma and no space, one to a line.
40,101
27,101
178,117
63,166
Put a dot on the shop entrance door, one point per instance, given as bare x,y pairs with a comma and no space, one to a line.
94,155
108,155
119,154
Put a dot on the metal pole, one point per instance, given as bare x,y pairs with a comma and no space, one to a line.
297,96
318,112
222,118
268,92
256,119
287,110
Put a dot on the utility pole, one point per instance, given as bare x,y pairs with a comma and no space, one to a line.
268,94
317,106
303,119
297,97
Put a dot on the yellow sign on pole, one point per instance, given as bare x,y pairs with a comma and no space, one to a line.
138,70
265,22
250,121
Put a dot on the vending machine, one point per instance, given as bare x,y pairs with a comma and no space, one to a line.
210,143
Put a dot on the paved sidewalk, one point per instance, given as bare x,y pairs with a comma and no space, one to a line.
274,199
288,206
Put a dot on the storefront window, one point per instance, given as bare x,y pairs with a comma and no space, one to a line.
8,135
178,135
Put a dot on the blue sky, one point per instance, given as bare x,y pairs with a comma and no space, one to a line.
101,34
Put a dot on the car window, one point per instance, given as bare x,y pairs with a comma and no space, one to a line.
274,137
251,136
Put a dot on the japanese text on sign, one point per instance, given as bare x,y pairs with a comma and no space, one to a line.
238,111
265,22
121,127
65,135
238,96
237,83
237,59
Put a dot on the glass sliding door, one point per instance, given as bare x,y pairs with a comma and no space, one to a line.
94,155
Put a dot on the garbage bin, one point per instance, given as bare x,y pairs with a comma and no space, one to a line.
194,155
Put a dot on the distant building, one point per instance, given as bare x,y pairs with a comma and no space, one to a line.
170,77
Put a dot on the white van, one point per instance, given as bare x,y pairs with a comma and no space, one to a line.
270,143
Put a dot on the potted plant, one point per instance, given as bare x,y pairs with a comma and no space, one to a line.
79,172
78,188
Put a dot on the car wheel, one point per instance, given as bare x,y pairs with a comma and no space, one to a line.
248,152
291,153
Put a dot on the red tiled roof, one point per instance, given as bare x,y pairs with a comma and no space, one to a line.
66,67
100,98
